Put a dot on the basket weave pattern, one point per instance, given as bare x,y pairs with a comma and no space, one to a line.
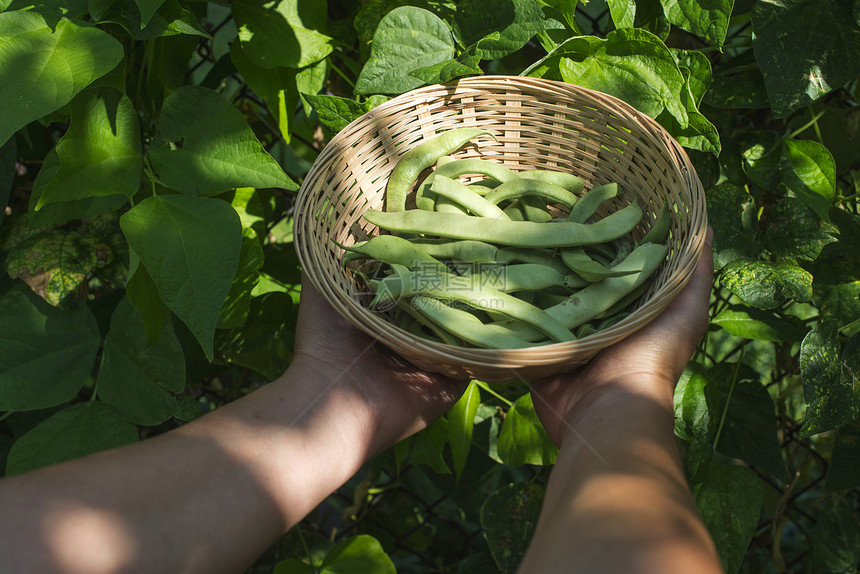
537,124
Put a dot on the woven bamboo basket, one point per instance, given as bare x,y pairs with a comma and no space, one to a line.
537,124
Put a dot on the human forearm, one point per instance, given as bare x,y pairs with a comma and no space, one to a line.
209,496
617,499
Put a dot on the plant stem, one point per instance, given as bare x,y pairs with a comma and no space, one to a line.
487,388
809,124
728,399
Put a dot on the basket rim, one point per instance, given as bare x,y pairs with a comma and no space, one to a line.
552,353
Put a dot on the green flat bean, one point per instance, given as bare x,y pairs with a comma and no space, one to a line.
588,203
419,158
514,233
586,267
466,197
467,326
563,179
467,166
595,299
523,277
444,335
549,192
393,249
660,230
447,287
465,250
534,209
537,256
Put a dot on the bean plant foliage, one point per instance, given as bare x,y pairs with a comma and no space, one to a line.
150,152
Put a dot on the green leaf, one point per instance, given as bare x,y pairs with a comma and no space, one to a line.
147,8
809,172
762,153
293,566
794,230
733,215
749,423
631,64
45,354
282,33
765,285
729,500
836,538
42,70
523,440
843,473
8,162
142,293
265,342
461,421
516,21
738,83
203,146
190,247
75,431
236,307
426,447
406,39
52,10
699,134
508,517
171,19
138,378
335,113
100,155
623,12
830,382
466,64
57,264
756,324
65,211
708,19
277,86
805,48
358,555
696,405
840,302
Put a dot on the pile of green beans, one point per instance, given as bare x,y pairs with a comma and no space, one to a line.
486,264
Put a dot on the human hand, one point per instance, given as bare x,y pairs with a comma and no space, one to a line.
400,398
647,363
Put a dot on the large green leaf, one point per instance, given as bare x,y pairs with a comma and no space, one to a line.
836,538
805,48
516,22
277,86
147,8
142,293
46,354
190,247
466,64
171,19
65,211
708,19
406,39
631,64
757,324
733,215
794,230
623,12
523,440
335,113
75,431
204,146
738,83
461,421
100,155
844,470
808,170
236,307
425,447
729,500
830,380
42,70
57,263
358,555
282,33
138,378
696,405
765,285
509,516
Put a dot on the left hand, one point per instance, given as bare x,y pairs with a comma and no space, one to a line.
401,398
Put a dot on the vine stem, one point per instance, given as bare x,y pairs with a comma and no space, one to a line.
487,388
307,550
5,415
809,124
729,398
